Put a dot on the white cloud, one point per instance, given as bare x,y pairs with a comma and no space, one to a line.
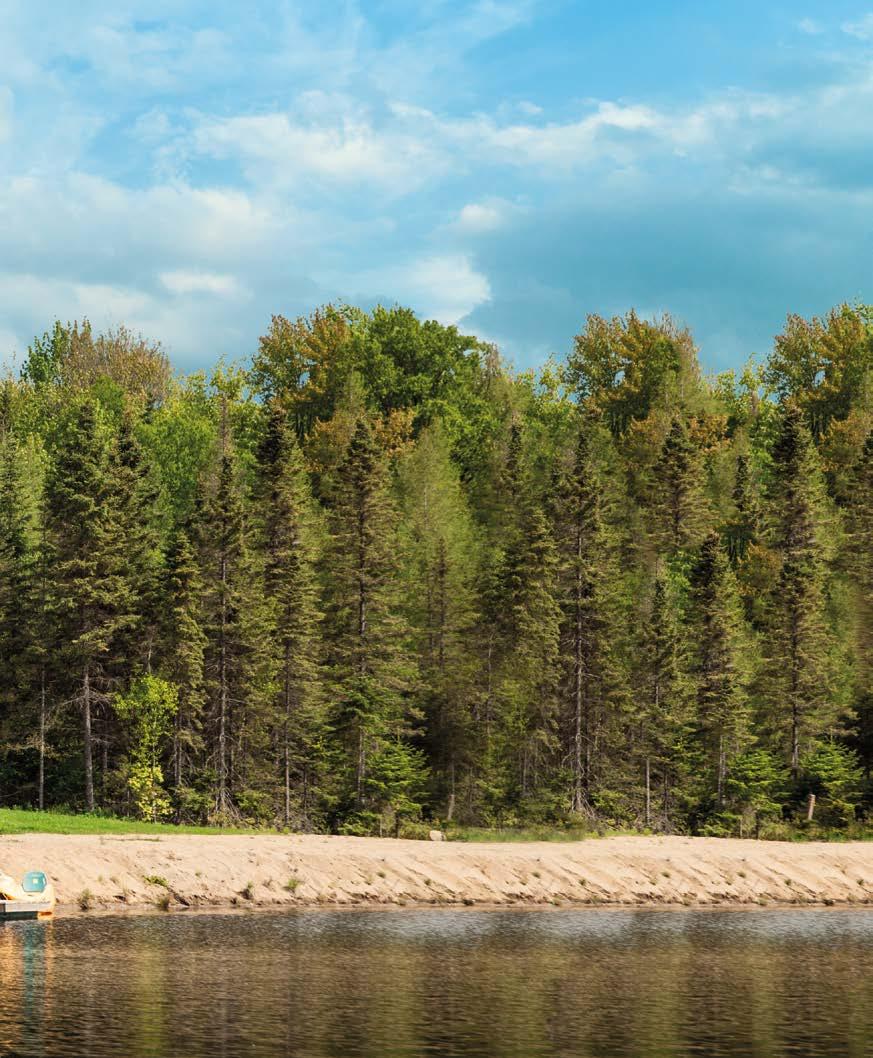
480,216
862,28
446,287
274,148
443,287
182,282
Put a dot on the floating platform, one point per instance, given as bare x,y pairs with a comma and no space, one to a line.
18,909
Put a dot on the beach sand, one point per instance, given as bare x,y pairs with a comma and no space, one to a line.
137,872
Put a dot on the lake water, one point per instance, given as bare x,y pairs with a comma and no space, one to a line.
442,982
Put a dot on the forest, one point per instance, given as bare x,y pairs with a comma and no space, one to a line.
374,579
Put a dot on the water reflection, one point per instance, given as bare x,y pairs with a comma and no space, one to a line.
386,983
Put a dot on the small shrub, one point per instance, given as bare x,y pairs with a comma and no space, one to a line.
293,884
85,900
163,902
248,893
156,879
414,831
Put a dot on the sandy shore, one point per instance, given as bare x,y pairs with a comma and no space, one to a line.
306,870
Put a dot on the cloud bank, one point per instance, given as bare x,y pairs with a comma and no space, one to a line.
190,169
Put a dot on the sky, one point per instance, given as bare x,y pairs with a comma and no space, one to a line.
190,168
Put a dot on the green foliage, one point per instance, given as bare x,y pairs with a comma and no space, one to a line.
833,774
148,711
381,579
756,788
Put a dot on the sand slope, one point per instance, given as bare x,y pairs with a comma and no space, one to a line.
262,870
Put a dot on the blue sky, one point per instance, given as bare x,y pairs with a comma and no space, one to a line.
189,168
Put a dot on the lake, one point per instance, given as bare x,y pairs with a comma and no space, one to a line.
442,982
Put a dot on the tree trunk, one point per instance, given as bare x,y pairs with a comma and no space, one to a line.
42,710
221,800
795,712
648,792
89,758
285,734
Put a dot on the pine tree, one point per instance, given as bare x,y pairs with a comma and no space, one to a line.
289,549
859,560
799,682
678,506
234,621
588,594
718,666
16,571
367,670
664,693
135,501
441,563
182,644
743,527
90,592
529,624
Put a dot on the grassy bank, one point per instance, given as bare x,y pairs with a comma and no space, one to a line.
27,821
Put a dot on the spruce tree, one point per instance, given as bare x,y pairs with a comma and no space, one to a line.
664,694
743,527
135,499
16,572
367,670
234,624
799,684
288,541
441,552
528,619
90,592
859,560
718,667
678,506
588,595
182,644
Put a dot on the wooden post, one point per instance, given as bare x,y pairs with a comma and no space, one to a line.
810,808
648,794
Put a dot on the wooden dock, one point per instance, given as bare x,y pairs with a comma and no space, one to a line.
18,909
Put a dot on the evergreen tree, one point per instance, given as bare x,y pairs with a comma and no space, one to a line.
234,621
678,507
799,679
182,650
441,562
859,560
742,529
718,668
363,630
135,499
90,592
16,571
528,620
588,595
289,547
664,693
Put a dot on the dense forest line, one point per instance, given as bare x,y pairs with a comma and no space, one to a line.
377,578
